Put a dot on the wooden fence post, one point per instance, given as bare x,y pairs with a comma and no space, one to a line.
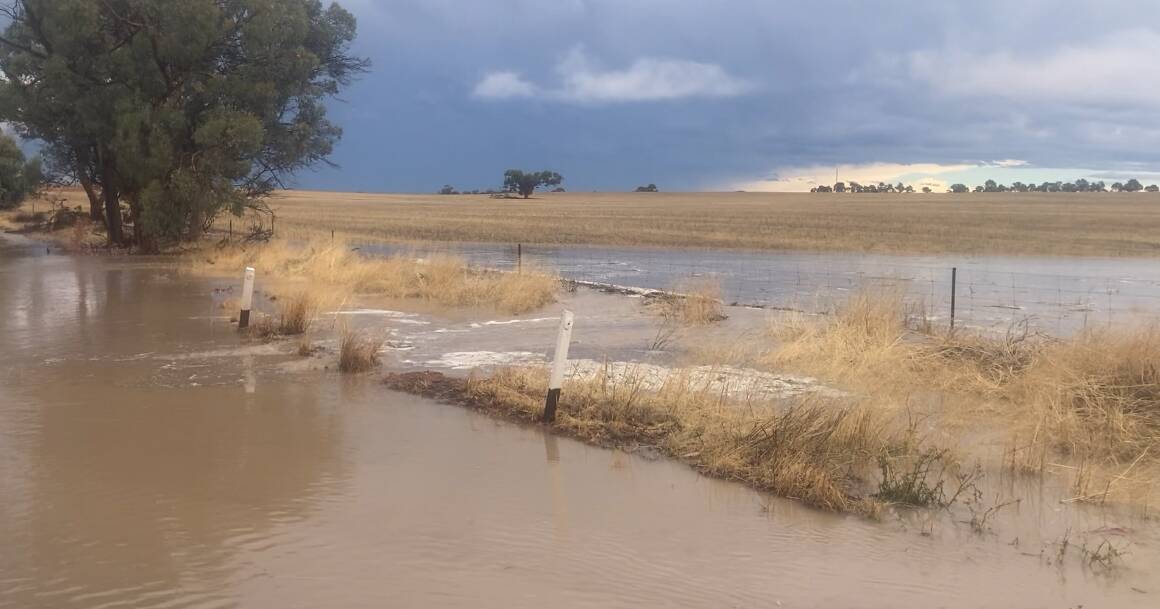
559,362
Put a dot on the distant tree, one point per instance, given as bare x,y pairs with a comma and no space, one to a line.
1117,187
855,187
840,187
1082,185
525,183
824,188
1018,187
959,188
1133,185
909,188
990,186
448,190
926,190
1152,188
559,189
649,188
1098,187
900,187
980,189
1069,187
19,178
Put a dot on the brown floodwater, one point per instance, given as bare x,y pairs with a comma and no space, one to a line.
150,458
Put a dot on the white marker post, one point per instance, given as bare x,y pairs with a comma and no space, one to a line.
247,299
559,362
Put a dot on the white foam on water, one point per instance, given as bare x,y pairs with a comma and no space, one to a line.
466,360
512,321
379,312
726,380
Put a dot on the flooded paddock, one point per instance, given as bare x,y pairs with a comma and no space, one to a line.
149,457
1057,295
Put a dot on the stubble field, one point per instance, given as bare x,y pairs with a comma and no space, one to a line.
1074,224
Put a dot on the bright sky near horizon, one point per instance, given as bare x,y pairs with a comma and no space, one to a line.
748,94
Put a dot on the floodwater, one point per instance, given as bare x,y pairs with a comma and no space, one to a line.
149,458
1057,295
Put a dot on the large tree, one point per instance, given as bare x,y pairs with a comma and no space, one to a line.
180,110
526,182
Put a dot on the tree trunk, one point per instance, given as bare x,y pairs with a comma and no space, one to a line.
96,209
83,155
112,202
146,243
196,225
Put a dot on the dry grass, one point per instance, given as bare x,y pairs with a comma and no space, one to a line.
1102,224
1093,399
695,302
296,313
357,352
816,451
333,269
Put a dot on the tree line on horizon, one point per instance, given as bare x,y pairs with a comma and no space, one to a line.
1080,185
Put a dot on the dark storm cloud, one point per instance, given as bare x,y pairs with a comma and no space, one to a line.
689,94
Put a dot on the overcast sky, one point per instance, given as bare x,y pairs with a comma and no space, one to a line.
749,94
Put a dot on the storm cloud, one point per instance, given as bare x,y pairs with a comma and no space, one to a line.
737,93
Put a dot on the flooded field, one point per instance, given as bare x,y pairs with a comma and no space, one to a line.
1058,295
149,457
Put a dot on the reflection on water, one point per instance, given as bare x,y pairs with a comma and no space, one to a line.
147,462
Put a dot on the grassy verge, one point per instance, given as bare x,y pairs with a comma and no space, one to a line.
1092,400
818,451
333,271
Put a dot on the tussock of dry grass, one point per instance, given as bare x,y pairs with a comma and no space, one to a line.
357,352
815,451
695,302
332,268
1099,393
296,312
1094,397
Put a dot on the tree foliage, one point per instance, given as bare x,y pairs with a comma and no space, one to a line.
19,178
649,188
525,183
181,110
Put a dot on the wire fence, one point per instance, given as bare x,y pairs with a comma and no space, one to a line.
990,293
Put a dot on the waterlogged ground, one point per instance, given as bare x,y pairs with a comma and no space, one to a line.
150,458
1055,295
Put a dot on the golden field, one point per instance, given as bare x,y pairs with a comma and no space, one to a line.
1092,224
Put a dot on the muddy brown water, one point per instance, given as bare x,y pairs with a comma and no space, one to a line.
149,458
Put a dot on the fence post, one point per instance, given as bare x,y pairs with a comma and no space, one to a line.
556,381
519,258
231,229
247,298
954,283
